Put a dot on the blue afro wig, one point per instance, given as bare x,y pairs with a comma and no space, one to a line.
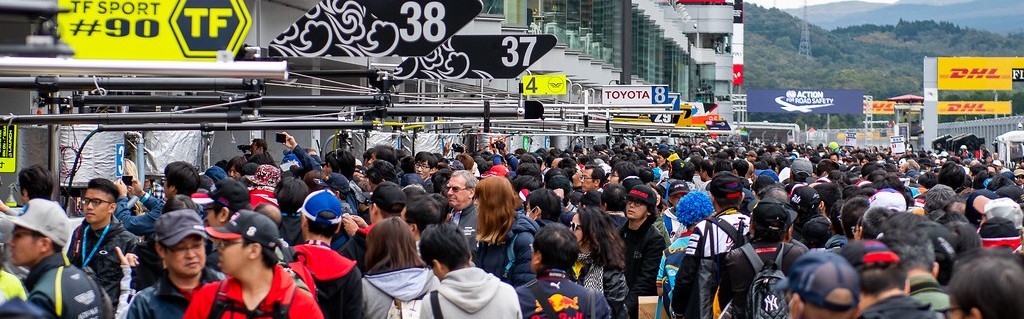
694,207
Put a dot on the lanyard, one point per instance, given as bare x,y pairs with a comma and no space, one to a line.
85,245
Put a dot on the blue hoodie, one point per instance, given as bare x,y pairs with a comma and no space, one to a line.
494,258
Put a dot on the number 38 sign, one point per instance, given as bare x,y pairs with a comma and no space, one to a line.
374,28
153,29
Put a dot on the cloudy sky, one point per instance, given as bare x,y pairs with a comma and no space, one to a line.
786,4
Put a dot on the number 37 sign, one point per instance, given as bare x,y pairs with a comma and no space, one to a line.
499,56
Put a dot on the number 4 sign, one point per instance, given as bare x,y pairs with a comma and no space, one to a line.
544,84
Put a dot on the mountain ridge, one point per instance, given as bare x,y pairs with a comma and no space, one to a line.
990,15
883,60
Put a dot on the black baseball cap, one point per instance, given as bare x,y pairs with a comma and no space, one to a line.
388,195
337,182
227,192
678,188
817,230
248,225
726,185
172,227
643,194
804,198
864,252
773,213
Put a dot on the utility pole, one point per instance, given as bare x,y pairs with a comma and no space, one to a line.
625,78
805,35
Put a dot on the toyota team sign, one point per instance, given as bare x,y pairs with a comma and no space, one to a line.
634,94
805,101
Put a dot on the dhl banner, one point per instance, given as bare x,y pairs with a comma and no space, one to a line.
880,107
975,73
974,108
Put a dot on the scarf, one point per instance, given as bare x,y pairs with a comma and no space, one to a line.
592,275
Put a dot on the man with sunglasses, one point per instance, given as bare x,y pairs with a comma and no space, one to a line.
94,243
256,285
461,191
181,244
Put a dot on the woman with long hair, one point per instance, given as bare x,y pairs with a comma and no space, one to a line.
504,236
601,258
396,275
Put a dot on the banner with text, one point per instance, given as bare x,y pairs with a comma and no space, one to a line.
975,73
805,101
975,108
880,107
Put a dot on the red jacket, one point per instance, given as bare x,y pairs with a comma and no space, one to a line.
302,304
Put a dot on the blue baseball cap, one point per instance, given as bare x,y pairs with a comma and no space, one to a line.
825,280
322,207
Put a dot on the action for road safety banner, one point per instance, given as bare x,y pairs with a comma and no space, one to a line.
975,73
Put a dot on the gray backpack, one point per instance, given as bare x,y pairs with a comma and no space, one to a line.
764,301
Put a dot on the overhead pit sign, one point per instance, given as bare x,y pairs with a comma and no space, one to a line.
805,101
153,29
635,95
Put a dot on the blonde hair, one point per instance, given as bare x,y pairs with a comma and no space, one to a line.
496,208
131,170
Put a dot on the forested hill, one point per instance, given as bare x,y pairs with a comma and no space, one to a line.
884,61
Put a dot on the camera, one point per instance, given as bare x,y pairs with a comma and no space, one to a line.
458,148
499,145
244,147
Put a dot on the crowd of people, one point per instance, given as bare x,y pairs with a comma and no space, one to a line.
708,229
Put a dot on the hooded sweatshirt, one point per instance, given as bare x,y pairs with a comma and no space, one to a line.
473,293
380,290
339,288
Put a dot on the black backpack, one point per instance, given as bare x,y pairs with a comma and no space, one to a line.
764,301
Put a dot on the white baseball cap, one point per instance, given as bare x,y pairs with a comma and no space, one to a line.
47,218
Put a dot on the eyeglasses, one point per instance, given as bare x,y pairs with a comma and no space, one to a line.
93,201
224,244
455,189
635,203
423,166
183,250
573,226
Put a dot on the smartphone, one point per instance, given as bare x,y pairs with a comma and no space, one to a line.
281,137
127,179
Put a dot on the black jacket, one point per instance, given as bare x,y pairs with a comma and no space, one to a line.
643,257
163,300
738,273
615,290
899,307
355,248
42,291
575,299
104,265
494,258
339,284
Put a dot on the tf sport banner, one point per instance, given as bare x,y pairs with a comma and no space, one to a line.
805,101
